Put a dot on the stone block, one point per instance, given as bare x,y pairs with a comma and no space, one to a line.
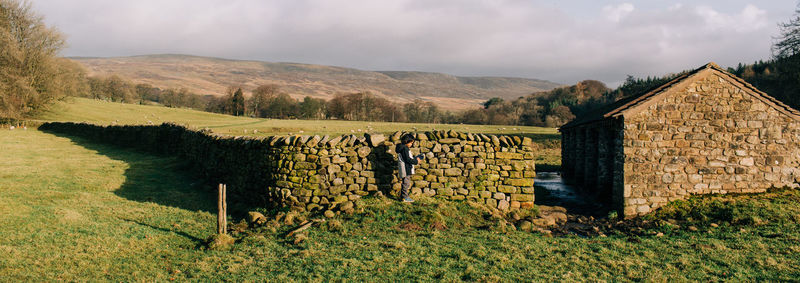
522,197
452,172
444,191
508,155
449,141
376,139
304,166
507,189
502,205
363,151
519,182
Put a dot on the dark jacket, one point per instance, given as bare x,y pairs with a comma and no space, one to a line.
405,161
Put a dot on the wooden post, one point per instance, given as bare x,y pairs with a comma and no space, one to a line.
225,208
222,226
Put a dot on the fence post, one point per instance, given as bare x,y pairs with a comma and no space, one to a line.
225,208
222,225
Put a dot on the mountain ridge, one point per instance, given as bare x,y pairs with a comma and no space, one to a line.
212,76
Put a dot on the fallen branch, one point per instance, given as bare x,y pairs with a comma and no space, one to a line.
303,226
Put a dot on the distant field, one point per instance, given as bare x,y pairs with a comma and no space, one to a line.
101,112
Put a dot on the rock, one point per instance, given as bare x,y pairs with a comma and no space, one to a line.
348,205
396,136
335,141
525,225
304,139
544,222
313,141
544,232
375,139
452,172
254,217
495,140
449,141
324,140
559,217
692,228
289,219
363,151
329,214
502,205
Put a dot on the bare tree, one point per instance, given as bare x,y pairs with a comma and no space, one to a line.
260,98
788,43
31,75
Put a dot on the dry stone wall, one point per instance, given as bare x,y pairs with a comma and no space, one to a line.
320,173
711,137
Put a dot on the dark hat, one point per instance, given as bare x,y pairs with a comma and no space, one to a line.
407,138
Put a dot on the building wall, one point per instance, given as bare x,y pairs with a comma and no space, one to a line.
590,154
710,137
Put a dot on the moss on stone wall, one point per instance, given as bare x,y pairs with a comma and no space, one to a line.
320,173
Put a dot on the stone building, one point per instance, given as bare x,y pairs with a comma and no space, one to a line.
705,132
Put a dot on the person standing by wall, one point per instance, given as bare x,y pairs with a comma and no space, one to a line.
405,165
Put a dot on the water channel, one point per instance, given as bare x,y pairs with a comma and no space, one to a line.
552,191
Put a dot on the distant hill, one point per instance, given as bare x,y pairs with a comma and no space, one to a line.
204,75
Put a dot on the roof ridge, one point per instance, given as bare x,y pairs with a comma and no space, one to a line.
618,107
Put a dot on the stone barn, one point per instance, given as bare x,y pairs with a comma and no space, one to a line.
705,132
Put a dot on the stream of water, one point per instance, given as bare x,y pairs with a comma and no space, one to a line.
558,193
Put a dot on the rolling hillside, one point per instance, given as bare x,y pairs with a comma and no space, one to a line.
205,75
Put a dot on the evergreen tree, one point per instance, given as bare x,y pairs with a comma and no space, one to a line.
237,103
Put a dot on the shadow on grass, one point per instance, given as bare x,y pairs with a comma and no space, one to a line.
155,178
199,242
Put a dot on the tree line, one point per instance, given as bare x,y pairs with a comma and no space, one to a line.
269,101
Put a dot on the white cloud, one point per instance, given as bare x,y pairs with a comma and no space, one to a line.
464,37
616,13
749,19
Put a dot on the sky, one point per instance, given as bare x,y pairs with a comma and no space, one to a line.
560,41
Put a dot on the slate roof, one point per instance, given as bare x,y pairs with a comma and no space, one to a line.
630,105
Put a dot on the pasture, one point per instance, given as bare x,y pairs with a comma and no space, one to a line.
102,112
74,210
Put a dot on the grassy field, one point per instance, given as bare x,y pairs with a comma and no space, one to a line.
78,211
102,112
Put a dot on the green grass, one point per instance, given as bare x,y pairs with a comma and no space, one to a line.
102,112
73,210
